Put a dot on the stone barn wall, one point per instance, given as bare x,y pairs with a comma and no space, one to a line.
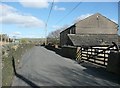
96,24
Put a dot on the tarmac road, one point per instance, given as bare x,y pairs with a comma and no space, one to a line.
42,67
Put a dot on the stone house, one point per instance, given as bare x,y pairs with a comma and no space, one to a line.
4,39
93,30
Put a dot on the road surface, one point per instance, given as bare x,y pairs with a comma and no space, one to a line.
42,67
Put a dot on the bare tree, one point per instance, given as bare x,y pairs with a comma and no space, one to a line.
54,36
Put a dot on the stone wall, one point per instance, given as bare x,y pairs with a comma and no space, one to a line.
69,52
114,62
64,35
96,24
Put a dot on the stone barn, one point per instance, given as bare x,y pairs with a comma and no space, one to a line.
93,30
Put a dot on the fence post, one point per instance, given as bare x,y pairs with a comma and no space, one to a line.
104,57
87,53
81,52
91,51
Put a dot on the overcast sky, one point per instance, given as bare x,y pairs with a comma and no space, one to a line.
27,19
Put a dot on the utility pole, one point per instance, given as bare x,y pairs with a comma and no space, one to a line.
47,22
5,38
14,37
45,34
1,39
8,39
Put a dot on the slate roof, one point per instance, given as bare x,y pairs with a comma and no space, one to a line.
93,39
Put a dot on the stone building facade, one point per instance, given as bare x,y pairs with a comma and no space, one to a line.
93,30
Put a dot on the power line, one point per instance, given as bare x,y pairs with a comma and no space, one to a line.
68,13
50,12
47,22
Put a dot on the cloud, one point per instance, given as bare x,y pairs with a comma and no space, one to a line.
56,27
67,0
82,17
59,8
5,9
34,3
31,36
16,33
10,15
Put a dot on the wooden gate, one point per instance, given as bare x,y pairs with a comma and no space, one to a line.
96,54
